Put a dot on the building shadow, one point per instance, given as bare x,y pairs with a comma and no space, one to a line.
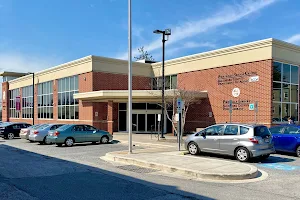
45,177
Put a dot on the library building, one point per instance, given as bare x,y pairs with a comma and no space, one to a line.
256,82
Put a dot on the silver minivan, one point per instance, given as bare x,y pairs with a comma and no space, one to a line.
243,141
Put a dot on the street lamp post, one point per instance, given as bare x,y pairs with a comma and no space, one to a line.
165,33
129,80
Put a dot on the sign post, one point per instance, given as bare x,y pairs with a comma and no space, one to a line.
159,121
255,111
230,110
179,110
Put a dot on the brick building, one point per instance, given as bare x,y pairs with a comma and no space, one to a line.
93,90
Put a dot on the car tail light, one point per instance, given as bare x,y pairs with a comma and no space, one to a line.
56,133
35,132
253,140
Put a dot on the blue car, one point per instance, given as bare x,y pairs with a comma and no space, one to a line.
286,138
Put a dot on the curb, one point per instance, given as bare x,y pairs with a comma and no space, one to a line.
253,172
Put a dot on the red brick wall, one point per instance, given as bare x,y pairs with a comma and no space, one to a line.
5,102
260,91
107,81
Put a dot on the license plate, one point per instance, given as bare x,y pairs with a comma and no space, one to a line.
267,140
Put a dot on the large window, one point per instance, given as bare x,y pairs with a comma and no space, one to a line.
13,94
27,102
45,100
170,82
285,92
67,105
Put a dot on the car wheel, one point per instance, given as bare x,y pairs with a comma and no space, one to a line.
69,142
298,151
193,148
46,141
10,136
59,145
104,140
264,157
242,154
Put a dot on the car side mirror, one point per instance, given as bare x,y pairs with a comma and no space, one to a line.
203,134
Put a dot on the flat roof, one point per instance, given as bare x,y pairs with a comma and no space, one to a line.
137,95
13,74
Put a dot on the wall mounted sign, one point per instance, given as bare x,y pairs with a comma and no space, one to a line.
3,95
236,105
254,79
236,78
251,106
236,92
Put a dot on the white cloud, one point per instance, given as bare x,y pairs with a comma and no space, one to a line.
189,45
295,39
228,14
18,62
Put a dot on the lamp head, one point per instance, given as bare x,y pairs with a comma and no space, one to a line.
168,31
157,31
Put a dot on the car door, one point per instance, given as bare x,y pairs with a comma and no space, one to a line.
277,132
209,141
79,133
229,140
16,129
92,134
288,140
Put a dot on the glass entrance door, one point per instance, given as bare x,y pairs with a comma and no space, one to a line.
134,122
141,123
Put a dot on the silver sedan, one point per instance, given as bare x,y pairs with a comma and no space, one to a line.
40,134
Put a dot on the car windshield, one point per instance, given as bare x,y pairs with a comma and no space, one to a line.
64,127
35,126
5,124
261,131
43,126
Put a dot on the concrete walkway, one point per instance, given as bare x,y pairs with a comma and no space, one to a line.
192,166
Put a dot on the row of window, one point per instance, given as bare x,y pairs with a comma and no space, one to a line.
170,82
285,92
67,105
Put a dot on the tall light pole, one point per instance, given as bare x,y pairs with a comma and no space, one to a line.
165,33
129,80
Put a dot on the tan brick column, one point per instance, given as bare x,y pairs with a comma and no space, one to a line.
110,122
5,102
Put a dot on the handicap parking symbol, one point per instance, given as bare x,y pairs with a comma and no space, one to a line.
280,166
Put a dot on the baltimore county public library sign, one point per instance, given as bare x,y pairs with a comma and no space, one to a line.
236,105
237,78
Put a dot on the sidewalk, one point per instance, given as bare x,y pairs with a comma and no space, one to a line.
147,138
168,160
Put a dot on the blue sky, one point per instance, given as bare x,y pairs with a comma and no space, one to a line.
37,34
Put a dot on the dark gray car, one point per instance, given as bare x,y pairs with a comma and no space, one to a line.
240,140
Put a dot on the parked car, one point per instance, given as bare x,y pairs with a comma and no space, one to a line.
25,132
243,141
77,133
286,138
12,130
40,134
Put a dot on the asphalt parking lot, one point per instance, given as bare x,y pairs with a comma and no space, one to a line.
34,171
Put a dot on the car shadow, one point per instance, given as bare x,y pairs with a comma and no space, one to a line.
272,159
54,178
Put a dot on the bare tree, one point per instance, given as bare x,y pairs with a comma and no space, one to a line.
188,98
144,55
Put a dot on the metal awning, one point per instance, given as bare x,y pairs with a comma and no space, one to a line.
137,95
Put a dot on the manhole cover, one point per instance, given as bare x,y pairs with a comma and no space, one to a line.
137,169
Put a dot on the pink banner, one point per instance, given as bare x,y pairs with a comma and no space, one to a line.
18,103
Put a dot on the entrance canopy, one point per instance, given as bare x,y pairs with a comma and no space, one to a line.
137,95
